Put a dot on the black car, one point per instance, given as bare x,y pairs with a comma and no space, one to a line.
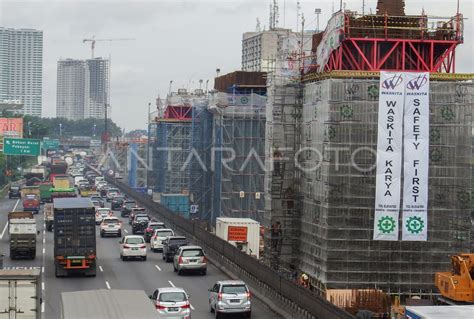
151,229
117,202
135,211
14,192
99,200
127,208
171,245
139,224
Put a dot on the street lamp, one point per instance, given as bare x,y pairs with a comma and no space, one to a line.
60,129
29,129
317,11
93,130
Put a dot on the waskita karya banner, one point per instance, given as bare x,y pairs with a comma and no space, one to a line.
416,157
389,156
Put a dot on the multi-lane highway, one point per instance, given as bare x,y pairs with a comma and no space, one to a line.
112,272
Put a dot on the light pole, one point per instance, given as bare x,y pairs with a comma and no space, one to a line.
29,129
317,11
60,129
93,129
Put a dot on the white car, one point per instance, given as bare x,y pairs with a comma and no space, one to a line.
171,302
111,226
159,235
99,179
101,213
132,246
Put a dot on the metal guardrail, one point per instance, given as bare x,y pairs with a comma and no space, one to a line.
292,297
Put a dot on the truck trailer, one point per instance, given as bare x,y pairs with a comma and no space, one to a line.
74,236
244,233
107,304
22,230
20,293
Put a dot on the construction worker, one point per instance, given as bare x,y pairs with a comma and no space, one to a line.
304,280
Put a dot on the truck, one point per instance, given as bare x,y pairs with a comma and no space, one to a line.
48,212
74,237
22,230
31,202
457,285
58,167
28,190
45,192
20,293
62,193
244,233
107,304
61,181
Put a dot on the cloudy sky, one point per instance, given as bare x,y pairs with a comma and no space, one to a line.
179,40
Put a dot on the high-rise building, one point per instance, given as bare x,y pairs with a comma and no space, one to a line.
261,49
82,88
98,87
21,68
72,92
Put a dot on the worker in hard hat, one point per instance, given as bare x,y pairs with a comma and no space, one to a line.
304,280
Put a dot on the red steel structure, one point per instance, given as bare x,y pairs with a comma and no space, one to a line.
178,113
385,42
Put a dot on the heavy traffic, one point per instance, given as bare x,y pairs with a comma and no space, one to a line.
80,208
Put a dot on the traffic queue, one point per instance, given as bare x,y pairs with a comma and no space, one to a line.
148,235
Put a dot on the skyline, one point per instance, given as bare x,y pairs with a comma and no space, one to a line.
176,41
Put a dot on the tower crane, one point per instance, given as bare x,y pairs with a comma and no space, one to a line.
93,40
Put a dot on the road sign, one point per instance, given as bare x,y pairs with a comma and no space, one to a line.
21,146
50,144
194,209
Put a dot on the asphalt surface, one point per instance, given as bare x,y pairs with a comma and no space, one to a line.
112,273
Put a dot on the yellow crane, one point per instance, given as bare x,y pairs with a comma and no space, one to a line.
93,40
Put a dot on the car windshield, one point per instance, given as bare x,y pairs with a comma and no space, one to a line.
141,218
177,241
172,297
164,233
192,253
156,226
129,204
30,196
111,221
15,188
234,289
134,240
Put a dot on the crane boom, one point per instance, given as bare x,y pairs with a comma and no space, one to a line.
93,40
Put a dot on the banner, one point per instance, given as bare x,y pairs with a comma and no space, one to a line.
331,40
389,156
416,157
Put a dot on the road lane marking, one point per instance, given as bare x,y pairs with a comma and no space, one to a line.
192,308
158,267
42,306
44,250
126,231
6,225
172,285
42,269
44,240
101,269
42,285
107,284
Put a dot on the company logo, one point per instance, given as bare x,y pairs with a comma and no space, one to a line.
393,82
418,82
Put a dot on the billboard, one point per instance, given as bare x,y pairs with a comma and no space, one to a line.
12,127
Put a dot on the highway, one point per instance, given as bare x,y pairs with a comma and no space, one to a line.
112,273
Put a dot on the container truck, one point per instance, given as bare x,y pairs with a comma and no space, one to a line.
22,230
107,304
58,167
74,236
20,293
244,233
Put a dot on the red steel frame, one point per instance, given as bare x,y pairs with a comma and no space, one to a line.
178,113
375,54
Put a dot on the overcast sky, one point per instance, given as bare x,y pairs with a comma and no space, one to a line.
177,40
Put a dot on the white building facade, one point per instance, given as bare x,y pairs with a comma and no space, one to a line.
21,68
82,88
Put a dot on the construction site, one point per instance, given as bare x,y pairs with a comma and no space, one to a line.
295,149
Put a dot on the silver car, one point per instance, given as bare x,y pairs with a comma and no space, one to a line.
190,258
171,302
230,296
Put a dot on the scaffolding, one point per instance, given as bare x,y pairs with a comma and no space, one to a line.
336,245
238,146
